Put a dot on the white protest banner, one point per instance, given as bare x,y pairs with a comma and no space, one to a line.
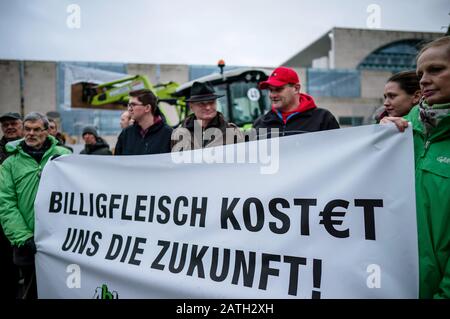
334,218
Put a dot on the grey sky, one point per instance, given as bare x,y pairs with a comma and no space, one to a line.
243,32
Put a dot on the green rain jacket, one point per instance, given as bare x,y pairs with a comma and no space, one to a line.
19,181
432,161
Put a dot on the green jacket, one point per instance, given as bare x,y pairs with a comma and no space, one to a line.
19,181
432,161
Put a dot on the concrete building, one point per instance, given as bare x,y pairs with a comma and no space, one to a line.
40,86
346,69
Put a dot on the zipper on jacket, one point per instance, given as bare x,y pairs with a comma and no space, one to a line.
426,146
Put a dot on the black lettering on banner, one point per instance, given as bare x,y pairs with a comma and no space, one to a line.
165,246
317,277
139,208
113,205
294,262
137,251
176,208
304,203
329,222
115,239
81,210
197,262
248,271
226,213
95,244
91,204
247,214
199,211
163,209
83,238
266,270
101,209
72,211
369,215
71,234
173,257
124,209
127,247
55,202
215,263
79,239
66,200
151,211
285,221
115,249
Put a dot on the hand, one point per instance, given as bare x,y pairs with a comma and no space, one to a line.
24,255
401,123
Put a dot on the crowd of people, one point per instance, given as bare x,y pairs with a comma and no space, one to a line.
420,97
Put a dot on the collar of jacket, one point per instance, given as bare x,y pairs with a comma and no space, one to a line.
37,154
155,127
218,121
271,116
14,146
305,103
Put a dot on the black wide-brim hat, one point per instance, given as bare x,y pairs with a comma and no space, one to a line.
202,92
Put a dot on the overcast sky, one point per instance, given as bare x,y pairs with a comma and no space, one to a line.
243,32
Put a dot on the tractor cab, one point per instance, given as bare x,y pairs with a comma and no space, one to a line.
243,102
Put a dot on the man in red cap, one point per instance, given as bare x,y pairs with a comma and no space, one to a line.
292,112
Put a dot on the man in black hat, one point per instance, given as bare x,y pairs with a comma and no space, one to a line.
206,127
12,130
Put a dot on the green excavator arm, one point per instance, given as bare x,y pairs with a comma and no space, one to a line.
114,95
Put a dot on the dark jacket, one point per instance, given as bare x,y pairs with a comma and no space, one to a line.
3,152
155,141
312,120
99,148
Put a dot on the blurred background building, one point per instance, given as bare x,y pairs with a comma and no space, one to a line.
344,70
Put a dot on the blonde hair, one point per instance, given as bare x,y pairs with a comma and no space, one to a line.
444,41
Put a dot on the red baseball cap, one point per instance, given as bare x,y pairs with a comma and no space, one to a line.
279,77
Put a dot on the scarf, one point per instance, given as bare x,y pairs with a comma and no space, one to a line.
430,116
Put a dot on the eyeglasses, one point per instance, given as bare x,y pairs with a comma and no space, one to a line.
134,104
37,130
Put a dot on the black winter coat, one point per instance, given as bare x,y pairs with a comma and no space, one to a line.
156,140
99,148
312,120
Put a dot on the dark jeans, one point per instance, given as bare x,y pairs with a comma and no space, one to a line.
28,290
23,257
9,273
